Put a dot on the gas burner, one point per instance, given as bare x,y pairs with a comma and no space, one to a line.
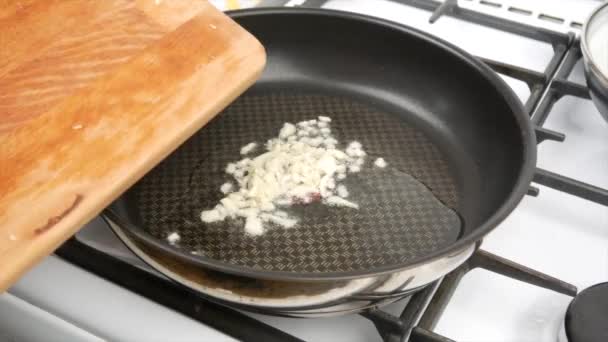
586,316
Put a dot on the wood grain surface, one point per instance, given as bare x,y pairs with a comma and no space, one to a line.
89,105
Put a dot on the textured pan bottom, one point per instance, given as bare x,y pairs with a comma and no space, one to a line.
404,209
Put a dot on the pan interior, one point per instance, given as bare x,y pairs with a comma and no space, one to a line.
456,139
407,210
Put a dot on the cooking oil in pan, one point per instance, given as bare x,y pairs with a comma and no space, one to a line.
398,220
393,207
404,209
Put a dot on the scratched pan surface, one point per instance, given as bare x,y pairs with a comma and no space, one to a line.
459,147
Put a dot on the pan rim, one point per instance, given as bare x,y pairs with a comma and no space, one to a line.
584,41
524,179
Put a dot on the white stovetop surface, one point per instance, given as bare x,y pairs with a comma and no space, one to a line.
555,233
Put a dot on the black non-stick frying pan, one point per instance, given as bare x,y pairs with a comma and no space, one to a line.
460,149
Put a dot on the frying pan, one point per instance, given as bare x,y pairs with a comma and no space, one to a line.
595,54
460,148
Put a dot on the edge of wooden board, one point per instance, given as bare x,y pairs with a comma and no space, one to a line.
96,144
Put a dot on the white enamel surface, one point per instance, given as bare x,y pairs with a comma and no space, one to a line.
18,317
101,308
558,234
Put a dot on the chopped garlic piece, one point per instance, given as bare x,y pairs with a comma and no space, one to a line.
231,168
213,215
287,130
354,145
173,238
354,168
226,188
248,148
280,213
341,202
359,162
381,163
253,225
281,221
342,191
301,165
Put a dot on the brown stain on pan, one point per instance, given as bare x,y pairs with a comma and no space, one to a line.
243,286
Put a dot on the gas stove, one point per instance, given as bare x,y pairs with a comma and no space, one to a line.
95,289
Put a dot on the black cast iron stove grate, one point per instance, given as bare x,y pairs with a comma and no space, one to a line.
416,322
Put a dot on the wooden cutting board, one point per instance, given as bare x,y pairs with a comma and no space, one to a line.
93,94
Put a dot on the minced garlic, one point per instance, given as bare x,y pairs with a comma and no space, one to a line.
300,166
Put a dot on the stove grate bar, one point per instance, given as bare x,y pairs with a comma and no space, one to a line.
532,78
403,328
453,10
571,186
508,268
492,263
565,87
